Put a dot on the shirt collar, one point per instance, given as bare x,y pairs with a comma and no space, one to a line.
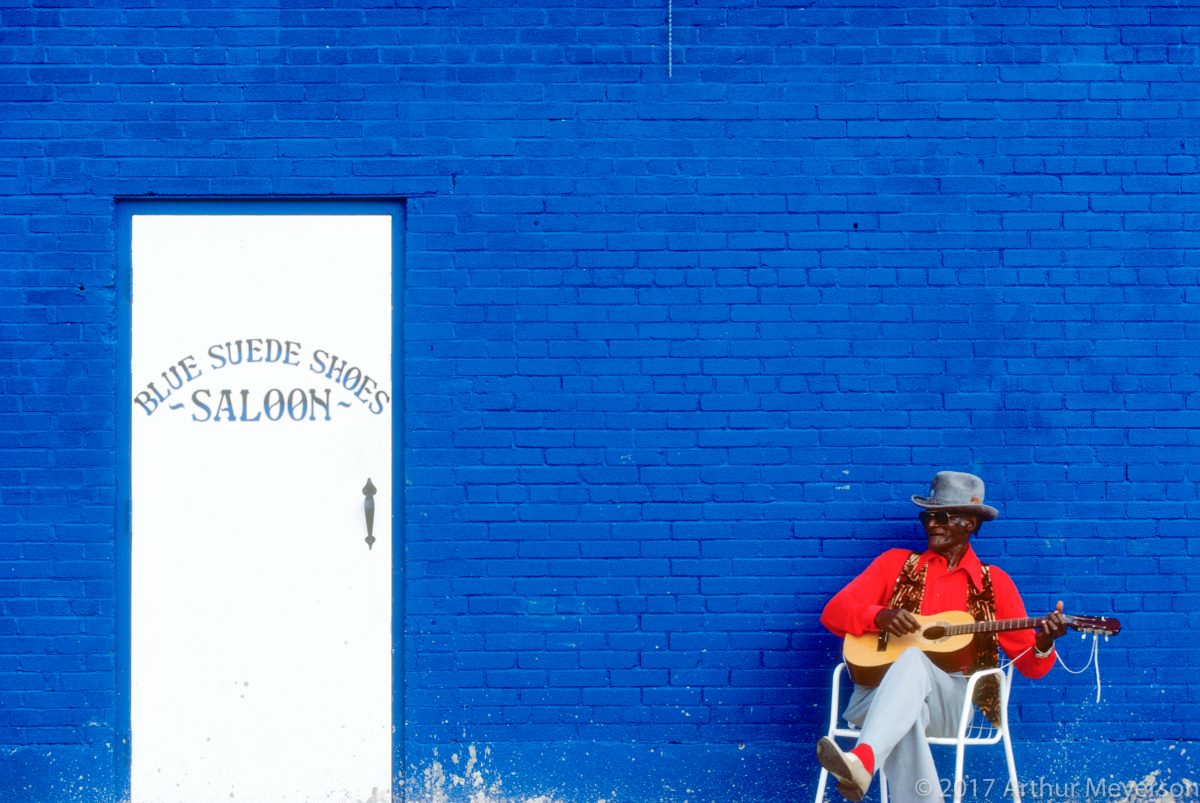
970,564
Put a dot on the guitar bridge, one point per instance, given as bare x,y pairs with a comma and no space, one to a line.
881,644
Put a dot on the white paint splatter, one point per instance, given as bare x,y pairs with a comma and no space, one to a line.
1152,789
468,786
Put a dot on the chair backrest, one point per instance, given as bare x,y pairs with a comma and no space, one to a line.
979,731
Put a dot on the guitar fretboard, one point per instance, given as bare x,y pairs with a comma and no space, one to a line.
994,627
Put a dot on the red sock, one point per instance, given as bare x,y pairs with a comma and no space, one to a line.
866,755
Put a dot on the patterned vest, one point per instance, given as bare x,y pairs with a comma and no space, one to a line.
981,604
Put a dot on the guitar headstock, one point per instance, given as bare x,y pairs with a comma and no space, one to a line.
1096,625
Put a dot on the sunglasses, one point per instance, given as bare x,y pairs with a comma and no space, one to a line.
936,516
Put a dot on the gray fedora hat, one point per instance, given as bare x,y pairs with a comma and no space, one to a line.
957,490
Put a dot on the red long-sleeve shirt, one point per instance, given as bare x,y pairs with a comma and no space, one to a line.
852,610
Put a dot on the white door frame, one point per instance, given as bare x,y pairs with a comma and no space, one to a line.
125,210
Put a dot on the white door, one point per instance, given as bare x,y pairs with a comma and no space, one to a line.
260,615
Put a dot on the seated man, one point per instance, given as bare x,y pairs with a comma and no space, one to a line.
916,699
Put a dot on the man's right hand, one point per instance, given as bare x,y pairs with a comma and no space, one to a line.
896,621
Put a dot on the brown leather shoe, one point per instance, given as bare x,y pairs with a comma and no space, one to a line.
849,791
853,778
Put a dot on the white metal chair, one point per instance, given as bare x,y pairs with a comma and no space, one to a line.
973,729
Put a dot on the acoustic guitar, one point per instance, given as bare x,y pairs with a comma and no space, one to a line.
946,638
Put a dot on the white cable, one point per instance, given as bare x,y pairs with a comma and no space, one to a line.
1093,658
670,38
1004,664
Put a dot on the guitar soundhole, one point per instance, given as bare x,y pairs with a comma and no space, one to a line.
935,632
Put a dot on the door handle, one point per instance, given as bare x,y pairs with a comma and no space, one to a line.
369,511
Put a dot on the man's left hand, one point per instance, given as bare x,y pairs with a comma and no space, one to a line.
1054,627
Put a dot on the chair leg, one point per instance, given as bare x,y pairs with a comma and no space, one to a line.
821,786
959,752
1012,766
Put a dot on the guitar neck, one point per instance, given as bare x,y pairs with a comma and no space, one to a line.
996,626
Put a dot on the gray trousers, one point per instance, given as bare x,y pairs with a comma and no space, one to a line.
915,700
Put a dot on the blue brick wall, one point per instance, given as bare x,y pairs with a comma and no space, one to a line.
677,347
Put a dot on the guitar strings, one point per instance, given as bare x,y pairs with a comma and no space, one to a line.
998,626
